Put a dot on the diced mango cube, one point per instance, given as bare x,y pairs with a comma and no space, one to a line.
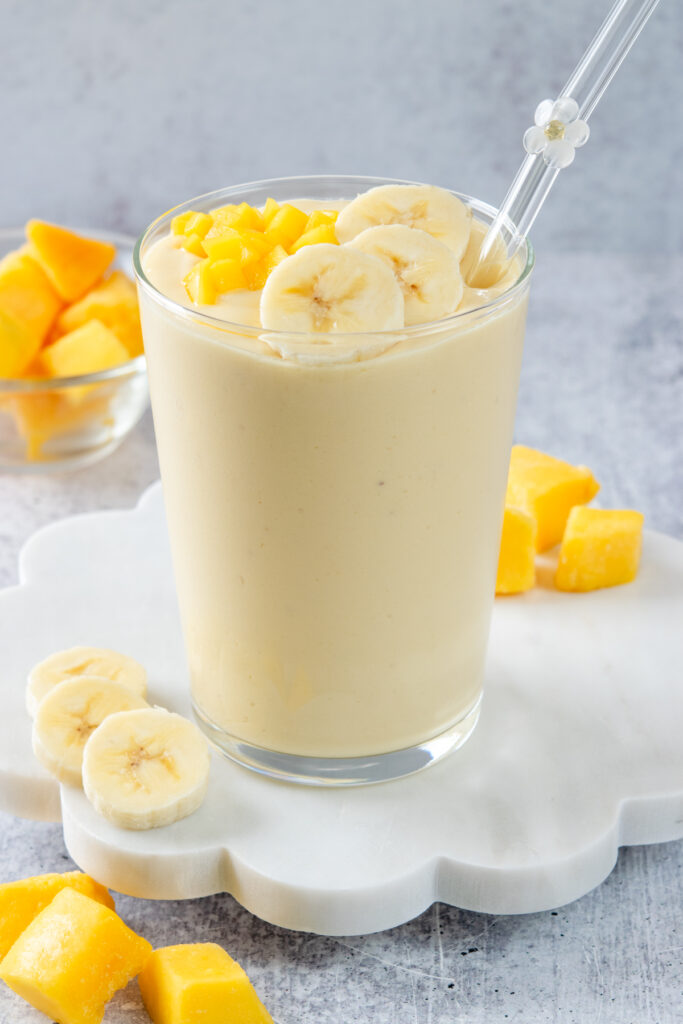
198,224
26,297
73,263
72,958
226,275
276,255
115,304
516,565
250,217
194,244
286,226
225,246
269,211
547,488
318,218
18,346
238,217
21,901
199,984
88,349
600,548
199,284
323,233
256,275
179,222
254,245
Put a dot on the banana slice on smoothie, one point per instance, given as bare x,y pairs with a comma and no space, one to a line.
434,210
496,265
67,716
145,768
427,271
83,661
331,288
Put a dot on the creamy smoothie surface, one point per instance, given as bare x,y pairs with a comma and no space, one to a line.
334,445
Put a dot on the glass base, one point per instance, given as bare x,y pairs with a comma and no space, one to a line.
340,771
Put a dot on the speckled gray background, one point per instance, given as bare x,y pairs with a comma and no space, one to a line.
111,112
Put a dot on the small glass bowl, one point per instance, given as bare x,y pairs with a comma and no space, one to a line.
49,424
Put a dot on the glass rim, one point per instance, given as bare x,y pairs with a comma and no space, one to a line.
229,326
131,367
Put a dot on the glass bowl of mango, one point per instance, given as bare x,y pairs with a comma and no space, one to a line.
73,379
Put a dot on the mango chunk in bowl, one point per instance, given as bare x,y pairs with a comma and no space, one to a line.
73,378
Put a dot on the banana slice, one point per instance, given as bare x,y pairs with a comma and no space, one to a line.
68,714
497,263
427,271
143,769
83,661
431,209
330,288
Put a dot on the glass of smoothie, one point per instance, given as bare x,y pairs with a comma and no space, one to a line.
334,429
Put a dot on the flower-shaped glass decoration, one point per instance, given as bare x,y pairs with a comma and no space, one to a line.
557,132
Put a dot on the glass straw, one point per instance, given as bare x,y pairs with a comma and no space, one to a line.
586,84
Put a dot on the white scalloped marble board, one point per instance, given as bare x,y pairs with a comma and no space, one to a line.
578,750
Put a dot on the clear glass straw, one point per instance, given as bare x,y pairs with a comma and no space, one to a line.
586,84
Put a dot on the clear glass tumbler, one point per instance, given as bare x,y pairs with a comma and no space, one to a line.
334,507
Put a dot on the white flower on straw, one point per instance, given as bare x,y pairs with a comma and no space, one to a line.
557,132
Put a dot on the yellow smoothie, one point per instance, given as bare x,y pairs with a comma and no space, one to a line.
334,511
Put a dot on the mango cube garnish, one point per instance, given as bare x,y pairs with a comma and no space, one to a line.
180,221
226,275
320,217
600,548
226,246
323,233
238,245
516,561
546,489
269,210
72,958
199,284
21,901
198,224
199,982
194,244
287,225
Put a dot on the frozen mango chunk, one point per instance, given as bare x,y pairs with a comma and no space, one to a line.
600,548
516,565
21,901
72,958
29,305
88,349
73,263
18,346
199,984
547,488
114,303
